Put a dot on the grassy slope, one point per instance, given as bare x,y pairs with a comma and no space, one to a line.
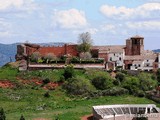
32,104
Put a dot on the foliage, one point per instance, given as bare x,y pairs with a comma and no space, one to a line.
146,81
85,42
120,76
85,55
46,81
46,94
102,82
50,57
78,86
35,57
132,84
2,114
22,117
68,72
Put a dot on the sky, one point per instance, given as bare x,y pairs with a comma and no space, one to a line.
110,22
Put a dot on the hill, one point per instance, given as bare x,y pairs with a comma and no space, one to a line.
157,50
8,51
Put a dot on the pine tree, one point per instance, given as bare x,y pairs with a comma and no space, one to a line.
2,114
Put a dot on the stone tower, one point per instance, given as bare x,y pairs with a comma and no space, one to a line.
134,45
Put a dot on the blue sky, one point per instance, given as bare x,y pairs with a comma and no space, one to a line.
110,22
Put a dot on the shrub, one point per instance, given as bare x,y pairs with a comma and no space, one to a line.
78,86
102,82
2,114
68,72
22,117
132,84
120,76
75,60
85,55
47,95
46,81
50,57
146,81
115,91
35,56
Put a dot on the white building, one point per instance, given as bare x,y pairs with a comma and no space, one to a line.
125,112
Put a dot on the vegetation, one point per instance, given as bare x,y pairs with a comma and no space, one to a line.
35,57
85,42
78,92
2,114
22,117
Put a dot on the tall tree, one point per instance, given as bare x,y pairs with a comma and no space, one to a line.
85,42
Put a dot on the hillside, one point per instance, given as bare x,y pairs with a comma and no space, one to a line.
41,95
157,50
7,53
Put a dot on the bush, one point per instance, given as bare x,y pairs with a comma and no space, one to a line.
50,57
120,76
102,82
35,56
2,114
22,117
75,60
46,81
47,95
78,86
132,84
85,55
68,72
115,91
146,81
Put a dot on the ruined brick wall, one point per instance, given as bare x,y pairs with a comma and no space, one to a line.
56,50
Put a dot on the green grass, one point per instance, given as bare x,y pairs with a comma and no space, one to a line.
8,73
31,102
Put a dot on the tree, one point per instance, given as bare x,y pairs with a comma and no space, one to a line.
35,56
78,86
146,81
132,84
85,42
2,114
68,72
85,56
50,57
22,117
102,82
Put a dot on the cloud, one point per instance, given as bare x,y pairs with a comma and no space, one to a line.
6,5
148,10
69,19
92,30
144,25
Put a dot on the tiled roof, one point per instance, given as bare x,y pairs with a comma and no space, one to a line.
135,57
110,49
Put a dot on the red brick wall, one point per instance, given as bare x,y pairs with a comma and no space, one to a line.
58,51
